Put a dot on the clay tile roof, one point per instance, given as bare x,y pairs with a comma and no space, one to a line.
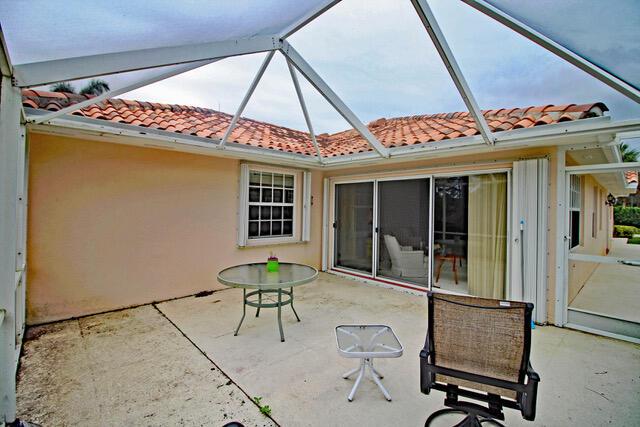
631,177
391,132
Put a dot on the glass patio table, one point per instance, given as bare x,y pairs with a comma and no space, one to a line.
255,276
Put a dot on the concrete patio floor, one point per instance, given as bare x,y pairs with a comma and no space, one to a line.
152,365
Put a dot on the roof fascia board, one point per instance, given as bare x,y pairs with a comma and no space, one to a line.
305,112
556,48
603,167
302,22
141,136
316,81
128,88
442,46
46,72
247,96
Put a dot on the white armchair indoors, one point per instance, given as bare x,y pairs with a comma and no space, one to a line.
405,261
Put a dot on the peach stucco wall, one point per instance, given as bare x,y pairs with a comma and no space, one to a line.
112,226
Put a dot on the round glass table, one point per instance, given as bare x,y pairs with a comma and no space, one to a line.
264,284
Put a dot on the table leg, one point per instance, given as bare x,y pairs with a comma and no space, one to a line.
294,310
379,383
375,371
244,310
358,380
259,302
280,314
351,372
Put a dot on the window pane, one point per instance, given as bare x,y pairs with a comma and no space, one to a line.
277,195
287,212
253,228
265,212
287,227
288,181
254,194
266,195
276,228
254,178
265,228
278,180
288,196
254,212
276,212
353,226
267,178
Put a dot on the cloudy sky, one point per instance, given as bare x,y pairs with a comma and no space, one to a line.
377,56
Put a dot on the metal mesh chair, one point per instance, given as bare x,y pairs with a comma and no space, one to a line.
479,349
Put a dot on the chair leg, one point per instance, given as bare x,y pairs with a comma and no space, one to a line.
455,270
439,269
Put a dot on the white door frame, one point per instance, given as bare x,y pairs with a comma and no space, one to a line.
596,323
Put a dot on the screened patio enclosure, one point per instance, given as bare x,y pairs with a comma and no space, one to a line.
36,52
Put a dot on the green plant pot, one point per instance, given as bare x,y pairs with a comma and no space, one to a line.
273,266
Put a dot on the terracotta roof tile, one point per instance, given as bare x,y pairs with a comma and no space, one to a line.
391,132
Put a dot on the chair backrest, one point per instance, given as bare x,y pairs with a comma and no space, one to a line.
480,336
393,247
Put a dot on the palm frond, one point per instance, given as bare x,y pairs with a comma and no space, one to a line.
95,87
65,87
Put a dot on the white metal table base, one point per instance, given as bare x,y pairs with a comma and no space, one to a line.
366,364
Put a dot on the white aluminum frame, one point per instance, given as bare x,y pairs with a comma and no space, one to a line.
562,277
305,112
584,64
47,72
247,97
309,73
442,46
115,92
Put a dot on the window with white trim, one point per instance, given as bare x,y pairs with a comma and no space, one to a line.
271,204
274,205
575,202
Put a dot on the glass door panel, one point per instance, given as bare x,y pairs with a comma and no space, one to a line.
354,226
403,230
470,234
604,252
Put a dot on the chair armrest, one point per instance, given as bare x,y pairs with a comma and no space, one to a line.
406,248
531,374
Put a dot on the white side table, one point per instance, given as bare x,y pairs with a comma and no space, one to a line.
367,342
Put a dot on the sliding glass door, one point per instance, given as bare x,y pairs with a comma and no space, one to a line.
470,234
452,238
354,226
403,230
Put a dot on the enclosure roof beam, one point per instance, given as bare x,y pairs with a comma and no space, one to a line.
316,81
299,24
247,96
128,88
519,27
46,72
440,42
305,112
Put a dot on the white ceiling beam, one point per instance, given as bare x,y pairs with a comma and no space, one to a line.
333,99
556,48
247,96
128,88
300,23
305,112
5,61
46,72
440,42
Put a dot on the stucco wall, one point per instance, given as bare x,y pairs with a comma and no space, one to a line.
112,226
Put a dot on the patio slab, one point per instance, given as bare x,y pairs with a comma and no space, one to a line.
135,367
586,380
130,367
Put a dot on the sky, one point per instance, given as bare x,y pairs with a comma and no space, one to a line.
375,54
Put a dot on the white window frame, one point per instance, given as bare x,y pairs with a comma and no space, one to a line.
301,206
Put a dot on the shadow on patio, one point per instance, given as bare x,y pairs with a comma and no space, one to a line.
150,365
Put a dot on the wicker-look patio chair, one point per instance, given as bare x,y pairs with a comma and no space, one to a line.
479,349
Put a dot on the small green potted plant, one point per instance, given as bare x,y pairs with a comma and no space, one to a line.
272,264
